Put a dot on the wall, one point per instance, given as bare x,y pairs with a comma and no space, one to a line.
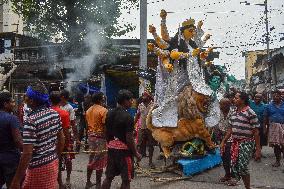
9,20
278,69
250,60
1,16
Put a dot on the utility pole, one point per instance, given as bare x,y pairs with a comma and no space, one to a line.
268,80
267,39
267,29
143,42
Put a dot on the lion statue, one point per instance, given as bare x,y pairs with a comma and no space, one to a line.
192,106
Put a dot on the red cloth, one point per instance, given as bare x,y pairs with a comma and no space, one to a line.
235,147
117,144
65,120
129,167
64,116
44,177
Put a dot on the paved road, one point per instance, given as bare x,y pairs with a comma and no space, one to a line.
262,176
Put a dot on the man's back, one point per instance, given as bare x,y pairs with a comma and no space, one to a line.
8,122
118,123
41,129
95,117
64,116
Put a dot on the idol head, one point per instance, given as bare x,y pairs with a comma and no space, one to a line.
188,29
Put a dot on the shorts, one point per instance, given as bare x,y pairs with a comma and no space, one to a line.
8,168
145,137
120,162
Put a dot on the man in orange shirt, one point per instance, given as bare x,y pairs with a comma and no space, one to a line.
95,117
65,120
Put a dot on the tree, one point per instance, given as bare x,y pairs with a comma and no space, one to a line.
67,20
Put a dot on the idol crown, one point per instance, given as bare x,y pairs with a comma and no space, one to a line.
188,22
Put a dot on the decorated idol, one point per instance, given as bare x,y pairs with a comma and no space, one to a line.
184,103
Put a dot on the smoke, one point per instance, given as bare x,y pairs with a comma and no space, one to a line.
83,67
52,54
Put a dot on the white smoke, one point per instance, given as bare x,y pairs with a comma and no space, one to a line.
84,66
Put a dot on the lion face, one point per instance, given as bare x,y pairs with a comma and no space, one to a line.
202,102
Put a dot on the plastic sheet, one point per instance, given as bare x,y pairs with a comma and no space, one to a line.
191,167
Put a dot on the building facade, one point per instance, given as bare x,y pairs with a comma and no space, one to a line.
10,21
251,58
263,74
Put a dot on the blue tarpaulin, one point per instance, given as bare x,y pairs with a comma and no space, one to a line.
85,88
194,166
112,89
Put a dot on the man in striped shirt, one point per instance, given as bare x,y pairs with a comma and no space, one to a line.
244,131
43,140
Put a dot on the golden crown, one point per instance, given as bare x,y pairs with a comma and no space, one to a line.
188,22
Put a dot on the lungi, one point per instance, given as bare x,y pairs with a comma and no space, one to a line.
241,153
98,160
120,161
276,134
44,177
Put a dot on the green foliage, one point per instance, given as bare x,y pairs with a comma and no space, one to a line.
69,18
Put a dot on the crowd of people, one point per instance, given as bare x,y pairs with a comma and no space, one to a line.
41,140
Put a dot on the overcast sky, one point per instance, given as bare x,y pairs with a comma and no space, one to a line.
235,27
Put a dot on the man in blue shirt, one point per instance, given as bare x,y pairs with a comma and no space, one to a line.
274,120
258,107
10,140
